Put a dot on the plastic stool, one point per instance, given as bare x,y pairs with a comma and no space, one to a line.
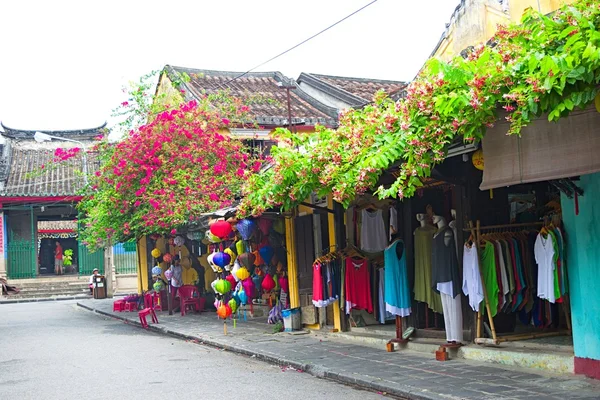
131,306
118,305
144,313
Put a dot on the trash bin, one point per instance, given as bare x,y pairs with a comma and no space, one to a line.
291,319
99,287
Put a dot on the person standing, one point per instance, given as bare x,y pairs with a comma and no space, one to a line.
177,277
58,259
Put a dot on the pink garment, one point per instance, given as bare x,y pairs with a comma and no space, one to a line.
317,299
358,285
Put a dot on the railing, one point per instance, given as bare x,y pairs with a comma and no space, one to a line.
125,258
88,261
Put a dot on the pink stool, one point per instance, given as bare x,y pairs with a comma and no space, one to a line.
144,313
118,305
131,306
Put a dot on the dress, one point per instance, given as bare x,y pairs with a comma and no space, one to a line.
472,286
422,288
372,232
358,285
397,292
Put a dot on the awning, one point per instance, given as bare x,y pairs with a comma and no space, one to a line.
545,150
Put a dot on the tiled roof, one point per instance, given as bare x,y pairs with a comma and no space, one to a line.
27,178
268,101
355,91
79,134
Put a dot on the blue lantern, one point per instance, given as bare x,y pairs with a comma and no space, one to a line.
267,254
221,259
246,228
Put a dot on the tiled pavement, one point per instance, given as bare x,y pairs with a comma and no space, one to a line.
403,374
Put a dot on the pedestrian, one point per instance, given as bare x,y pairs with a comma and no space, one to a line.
176,278
91,285
58,259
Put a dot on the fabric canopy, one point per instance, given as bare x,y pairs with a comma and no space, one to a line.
545,150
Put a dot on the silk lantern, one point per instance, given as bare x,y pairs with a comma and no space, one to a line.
243,297
266,253
235,269
221,259
223,311
240,247
222,286
158,285
242,274
155,253
179,241
231,279
221,229
257,281
233,305
268,283
167,258
232,255
264,224
247,259
156,270
246,228
213,238
249,288
284,284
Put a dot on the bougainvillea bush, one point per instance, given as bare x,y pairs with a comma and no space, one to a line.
547,65
166,173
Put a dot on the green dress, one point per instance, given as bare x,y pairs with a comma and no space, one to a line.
488,265
423,291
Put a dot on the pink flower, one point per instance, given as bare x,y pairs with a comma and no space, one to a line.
125,103
225,121
137,203
214,197
173,231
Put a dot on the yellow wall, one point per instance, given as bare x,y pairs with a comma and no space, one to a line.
476,21
142,269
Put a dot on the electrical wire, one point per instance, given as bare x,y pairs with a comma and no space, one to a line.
300,44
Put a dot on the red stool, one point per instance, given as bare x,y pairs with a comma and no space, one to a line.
131,306
144,313
118,305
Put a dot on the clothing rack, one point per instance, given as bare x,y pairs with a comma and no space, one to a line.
496,340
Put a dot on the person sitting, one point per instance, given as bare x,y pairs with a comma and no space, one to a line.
91,285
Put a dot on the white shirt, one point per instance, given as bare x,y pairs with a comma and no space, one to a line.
472,285
372,232
544,255
393,221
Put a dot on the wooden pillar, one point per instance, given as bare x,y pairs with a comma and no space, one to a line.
142,267
335,231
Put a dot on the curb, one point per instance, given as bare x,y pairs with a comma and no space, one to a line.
42,299
312,369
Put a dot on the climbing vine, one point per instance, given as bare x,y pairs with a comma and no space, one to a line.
547,65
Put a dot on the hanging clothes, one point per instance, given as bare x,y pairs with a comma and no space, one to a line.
372,232
383,315
393,222
326,283
397,291
544,256
488,263
445,277
472,285
422,287
358,285
318,296
452,318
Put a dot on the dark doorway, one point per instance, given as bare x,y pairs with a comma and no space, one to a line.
46,255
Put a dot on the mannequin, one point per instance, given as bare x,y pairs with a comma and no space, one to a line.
446,279
422,284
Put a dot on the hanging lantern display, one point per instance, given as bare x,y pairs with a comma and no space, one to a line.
221,259
243,274
246,228
257,281
231,254
247,260
249,288
258,260
264,224
156,270
276,280
210,261
235,269
179,241
222,286
213,285
168,274
167,258
155,253
212,238
231,279
240,247
258,271
266,254
223,311
284,284
158,285
268,283
243,297
221,229
233,305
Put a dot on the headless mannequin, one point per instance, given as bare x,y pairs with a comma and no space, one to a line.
450,303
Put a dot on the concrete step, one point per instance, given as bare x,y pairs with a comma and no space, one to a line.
18,299
558,359
42,294
53,287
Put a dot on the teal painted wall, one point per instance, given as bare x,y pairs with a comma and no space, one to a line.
583,266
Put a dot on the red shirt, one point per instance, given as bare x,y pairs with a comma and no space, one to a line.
58,253
358,285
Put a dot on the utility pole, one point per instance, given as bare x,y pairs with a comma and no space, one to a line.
287,88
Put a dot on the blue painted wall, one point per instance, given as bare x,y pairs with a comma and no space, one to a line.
583,266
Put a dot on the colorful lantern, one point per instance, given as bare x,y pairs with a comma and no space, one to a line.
232,255
243,297
258,260
212,238
223,311
179,241
233,305
264,224
267,254
221,259
231,279
268,283
168,274
284,284
249,288
240,247
257,281
221,229
246,228
155,253
210,261
213,285
247,259
235,269
158,285
222,286
242,274
156,270
167,258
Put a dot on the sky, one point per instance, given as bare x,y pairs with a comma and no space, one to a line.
63,64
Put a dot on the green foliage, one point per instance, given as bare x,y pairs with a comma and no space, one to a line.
547,65
68,257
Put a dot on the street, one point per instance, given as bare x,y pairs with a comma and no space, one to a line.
55,350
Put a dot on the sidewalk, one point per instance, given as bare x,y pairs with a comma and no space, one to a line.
403,374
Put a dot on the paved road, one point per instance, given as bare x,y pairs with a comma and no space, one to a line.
54,350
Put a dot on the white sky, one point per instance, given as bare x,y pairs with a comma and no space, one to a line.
63,63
